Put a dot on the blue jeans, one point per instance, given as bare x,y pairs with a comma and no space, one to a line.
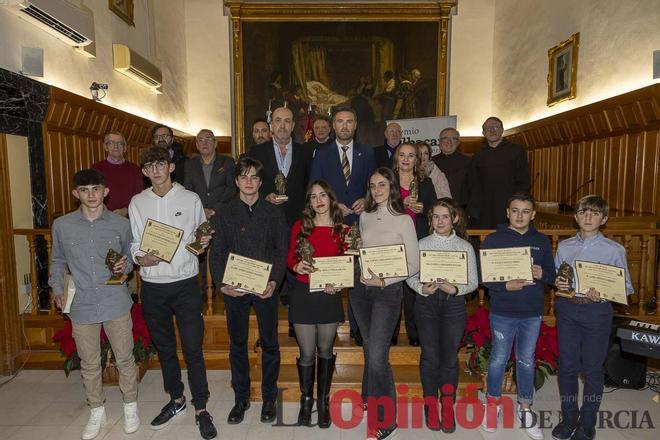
583,333
525,332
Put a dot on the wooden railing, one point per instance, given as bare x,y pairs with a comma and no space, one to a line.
32,237
641,247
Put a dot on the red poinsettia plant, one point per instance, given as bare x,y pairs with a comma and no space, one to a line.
143,348
478,338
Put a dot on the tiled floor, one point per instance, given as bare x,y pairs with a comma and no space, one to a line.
45,405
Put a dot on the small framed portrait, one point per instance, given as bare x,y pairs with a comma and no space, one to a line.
562,70
123,9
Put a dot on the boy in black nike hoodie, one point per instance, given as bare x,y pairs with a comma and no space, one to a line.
516,311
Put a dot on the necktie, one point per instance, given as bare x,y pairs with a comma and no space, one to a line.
345,166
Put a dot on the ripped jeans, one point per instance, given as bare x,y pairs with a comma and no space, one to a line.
506,330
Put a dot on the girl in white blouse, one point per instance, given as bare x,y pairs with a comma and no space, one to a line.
440,315
376,301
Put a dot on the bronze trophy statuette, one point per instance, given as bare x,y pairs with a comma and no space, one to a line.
280,187
414,194
566,272
202,230
111,259
306,250
353,240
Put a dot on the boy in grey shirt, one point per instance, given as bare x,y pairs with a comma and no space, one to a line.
81,241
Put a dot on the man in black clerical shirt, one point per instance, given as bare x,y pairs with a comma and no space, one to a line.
251,227
499,170
322,127
454,164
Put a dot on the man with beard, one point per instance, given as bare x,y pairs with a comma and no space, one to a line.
260,131
346,167
163,136
282,155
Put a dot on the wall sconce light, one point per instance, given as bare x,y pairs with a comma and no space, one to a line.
94,90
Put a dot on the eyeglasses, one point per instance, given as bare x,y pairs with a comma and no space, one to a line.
492,128
115,144
443,139
158,137
205,140
153,166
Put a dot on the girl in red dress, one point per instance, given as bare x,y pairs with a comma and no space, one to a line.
316,315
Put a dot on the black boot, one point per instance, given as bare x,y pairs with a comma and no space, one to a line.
306,379
326,368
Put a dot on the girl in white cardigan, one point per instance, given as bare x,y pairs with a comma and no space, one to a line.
441,316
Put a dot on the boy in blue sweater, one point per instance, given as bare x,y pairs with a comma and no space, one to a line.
584,322
516,311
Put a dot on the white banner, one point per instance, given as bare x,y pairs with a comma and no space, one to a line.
425,129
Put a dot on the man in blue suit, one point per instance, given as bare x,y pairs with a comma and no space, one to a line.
346,166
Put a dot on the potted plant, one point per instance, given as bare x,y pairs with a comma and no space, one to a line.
478,339
143,348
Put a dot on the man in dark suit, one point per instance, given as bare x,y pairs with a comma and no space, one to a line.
454,164
384,153
346,166
163,136
210,175
321,126
281,154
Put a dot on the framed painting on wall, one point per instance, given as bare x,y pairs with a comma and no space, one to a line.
383,72
562,70
123,9
388,60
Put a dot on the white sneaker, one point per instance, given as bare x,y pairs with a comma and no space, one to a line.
484,424
131,418
529,421
96,420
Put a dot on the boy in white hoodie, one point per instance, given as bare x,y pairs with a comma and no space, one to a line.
171,289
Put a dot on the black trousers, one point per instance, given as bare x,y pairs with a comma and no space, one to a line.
183,300
376,311
238,322
441,320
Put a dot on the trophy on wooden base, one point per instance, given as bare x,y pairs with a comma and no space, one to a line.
566,272
202,230
280,187
306,250
111,259
414,194
353,240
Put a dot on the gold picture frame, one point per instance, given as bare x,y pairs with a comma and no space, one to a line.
562,70
123,9
242,13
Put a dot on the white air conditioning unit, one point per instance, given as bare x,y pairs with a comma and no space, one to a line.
134,66
65,21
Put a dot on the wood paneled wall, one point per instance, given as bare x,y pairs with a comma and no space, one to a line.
73,132
615,142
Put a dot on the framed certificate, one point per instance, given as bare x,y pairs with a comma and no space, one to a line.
609,280
247,274
384,261
337,271
448,265
506,264
160,240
